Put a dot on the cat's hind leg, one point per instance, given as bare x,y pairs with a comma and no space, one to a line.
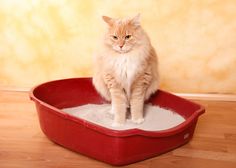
101,87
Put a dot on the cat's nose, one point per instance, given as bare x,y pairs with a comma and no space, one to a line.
121,46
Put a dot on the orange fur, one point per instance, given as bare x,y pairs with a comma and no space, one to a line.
126,68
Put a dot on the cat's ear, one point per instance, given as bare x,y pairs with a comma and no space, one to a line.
136,20
108,20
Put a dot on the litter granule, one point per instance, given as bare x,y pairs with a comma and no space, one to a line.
156,118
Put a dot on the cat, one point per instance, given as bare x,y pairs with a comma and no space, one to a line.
126,68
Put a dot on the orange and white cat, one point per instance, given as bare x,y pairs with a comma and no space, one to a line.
126,68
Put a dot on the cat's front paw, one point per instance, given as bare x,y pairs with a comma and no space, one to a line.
138,121
117,124
112,112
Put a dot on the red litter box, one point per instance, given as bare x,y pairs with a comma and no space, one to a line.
116,147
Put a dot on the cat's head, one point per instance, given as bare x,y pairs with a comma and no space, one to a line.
123,35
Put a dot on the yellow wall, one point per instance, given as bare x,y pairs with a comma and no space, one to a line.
42,40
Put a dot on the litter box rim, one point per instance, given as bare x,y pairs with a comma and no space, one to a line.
111,132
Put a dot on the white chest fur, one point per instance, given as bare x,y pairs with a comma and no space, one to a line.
126,67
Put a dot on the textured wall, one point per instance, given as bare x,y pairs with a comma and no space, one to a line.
42,40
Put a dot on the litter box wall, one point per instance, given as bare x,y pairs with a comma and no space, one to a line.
45,40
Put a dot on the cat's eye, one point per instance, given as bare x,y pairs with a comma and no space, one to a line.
127,37
115,37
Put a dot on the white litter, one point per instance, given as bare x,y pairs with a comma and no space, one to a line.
156,118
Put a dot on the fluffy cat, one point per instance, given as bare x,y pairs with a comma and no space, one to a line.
126,68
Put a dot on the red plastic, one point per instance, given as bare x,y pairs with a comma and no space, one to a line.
111,146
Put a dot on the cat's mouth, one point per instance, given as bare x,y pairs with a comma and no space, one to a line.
122,51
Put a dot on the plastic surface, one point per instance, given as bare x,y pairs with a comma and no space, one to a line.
107,145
